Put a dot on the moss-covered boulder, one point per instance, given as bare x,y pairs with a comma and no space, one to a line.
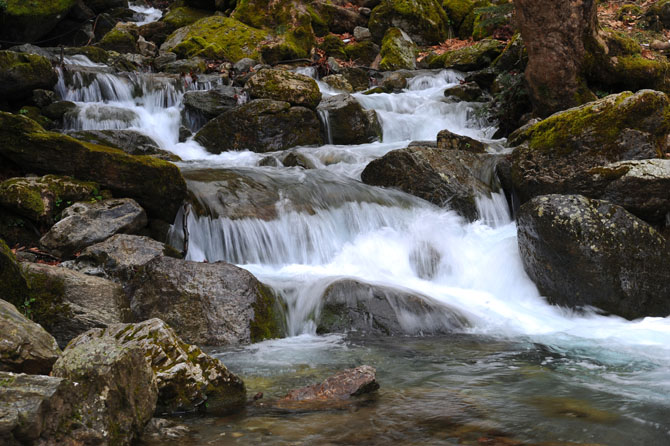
183,16
471,58
41,198
657,17
398,51
451,178
156,184
28,21
423,20
206,303
187,378
488,19
363,53
21,73
115,388
13,285
216,37
286,86
338,18
457,11
122,39
261,125
130,141
558,154
348,122
582,252
25,347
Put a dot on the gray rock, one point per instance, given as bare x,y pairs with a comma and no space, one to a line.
243,65
25,347
361,33
338,82
447,140
43,98
115,386
206,303
349,123
79,302
164,59
130,141
163,430
201,106
341,386
187,378
280,85
468,92
110,115
452,178
394,82
350,305
583,252
84,224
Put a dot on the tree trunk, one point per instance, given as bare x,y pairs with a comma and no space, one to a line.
558,34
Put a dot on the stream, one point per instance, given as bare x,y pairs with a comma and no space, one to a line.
520,371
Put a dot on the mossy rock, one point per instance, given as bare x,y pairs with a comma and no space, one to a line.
471,58
466,28
363,53
423,20
183,16
457,11
122,39
657,16
216,37
13,285
398,51
28,21
490,18
333,46
39,199
514,57
94,53
156,184
21,73
281,85
35,114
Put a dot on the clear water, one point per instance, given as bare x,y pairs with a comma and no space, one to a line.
522,371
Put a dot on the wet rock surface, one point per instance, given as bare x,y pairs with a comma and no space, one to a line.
349,123
130,141
285,86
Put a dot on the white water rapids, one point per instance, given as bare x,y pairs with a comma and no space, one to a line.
374,235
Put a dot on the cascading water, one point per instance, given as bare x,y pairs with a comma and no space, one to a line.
324,225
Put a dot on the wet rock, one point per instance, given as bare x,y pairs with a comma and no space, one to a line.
349,122
130,141
163,430
28,22
187,378
25,347
562,153
447,140
471,58
21,73
452,178
350,305
232,306
115,386
261,125
468,92
398,51
58,109
297,159
341,386
424,20
72,302
286,86
394,82
41,198
156,184
338,82
43,98
206,105
84,224
358,78
583,252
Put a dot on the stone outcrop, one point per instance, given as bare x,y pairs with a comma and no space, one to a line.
21,73
398,51
349,123
423,20
286,86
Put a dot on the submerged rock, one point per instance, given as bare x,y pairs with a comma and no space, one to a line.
67,303
452,178
583,252
156,184
349,123
187,379
25,347
349,305
261,125
206,303
285,86
114,385
84,224
341,386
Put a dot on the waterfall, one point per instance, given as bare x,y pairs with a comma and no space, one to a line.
324,116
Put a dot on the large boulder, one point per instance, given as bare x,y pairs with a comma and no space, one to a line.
350,305
29,21
84,224
424,20
122,39
208,104
206,303
41,198
156,184
25,347
13,285
469,58
115,388
21,73
261,125
339,19
398,51
130,141
562,153
187,378
348,122
458,11
452,178
582,252
215,37
285,86
67,303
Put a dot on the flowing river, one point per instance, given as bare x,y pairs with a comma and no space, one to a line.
515,370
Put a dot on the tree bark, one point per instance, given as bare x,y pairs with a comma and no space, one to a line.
557,34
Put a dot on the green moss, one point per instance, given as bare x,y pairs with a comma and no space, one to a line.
620,44
268,316
333,47
636,72
45,303
489,18
629,11
13,285
424,20
25,198
475,57
458,10
220,37
120,40
363,53
183,16
38,8
397,52
94,53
